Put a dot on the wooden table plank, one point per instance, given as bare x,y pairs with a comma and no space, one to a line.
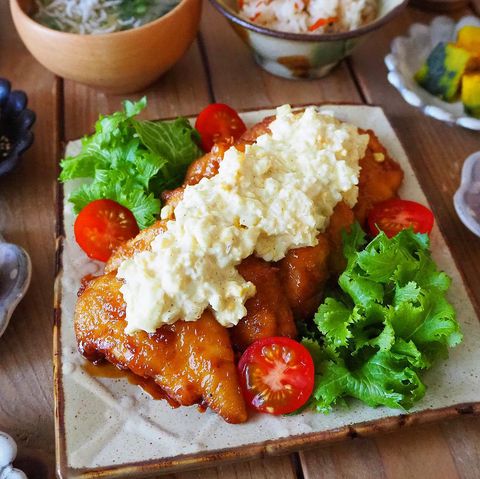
268,468
423,451
463,438
181,91
418,452
27,218
244,85
357,459
25,368
239,82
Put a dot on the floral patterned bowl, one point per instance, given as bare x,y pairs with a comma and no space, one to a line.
15,273
407,55
295,55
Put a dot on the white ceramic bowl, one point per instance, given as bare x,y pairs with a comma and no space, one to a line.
408,54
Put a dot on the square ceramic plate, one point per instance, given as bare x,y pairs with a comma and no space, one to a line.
110,428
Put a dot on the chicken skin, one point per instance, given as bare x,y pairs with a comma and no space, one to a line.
380,178
268,312
304,271
193,362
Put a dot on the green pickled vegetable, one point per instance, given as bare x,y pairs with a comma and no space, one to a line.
441,74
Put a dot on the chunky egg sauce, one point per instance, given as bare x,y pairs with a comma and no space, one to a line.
277,195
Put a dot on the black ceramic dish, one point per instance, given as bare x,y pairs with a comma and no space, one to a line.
15,126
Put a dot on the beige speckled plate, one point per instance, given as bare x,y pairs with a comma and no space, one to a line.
110,428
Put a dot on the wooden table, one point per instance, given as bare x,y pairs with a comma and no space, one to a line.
219,68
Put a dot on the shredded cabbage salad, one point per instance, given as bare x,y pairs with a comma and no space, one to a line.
99,16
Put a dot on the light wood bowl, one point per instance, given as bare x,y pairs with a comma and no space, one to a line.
120,62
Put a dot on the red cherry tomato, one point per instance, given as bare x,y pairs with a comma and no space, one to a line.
395,215
276,375
102,226
219,122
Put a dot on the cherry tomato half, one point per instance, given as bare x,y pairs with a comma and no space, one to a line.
102,226
218,122
395,215
276,375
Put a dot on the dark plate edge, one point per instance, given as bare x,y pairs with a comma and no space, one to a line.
243,453
60,444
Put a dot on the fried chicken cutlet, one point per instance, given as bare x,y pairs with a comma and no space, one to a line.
194,362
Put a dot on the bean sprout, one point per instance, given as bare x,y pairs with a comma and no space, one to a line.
93,17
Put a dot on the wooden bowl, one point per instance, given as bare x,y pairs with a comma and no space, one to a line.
120,62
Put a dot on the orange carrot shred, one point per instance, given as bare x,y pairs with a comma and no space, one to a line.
321,22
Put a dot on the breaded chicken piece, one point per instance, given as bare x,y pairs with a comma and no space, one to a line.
141,242
304,271
340,221
205,167
192,362
380,178
268,312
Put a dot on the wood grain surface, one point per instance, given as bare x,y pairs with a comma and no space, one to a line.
218,67
27,218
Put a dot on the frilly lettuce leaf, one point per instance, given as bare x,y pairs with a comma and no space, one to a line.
132,161
391,321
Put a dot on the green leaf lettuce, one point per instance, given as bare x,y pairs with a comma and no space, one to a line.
132,161
391,321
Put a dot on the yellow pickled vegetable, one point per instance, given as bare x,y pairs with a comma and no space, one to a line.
469,39
471,93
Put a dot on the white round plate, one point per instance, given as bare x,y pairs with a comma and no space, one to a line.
408,54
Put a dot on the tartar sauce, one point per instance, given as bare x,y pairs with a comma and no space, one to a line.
277,195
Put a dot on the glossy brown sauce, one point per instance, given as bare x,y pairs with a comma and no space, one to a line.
108,370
